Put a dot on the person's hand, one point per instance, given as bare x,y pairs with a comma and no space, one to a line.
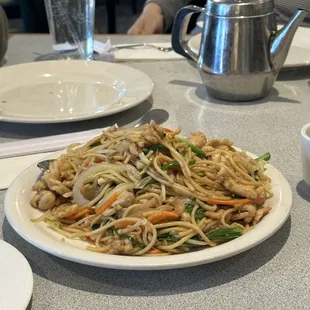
151,21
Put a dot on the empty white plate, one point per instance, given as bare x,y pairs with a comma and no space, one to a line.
16,282
65,91
298,56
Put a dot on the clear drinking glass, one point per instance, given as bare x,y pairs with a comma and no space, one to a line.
71,24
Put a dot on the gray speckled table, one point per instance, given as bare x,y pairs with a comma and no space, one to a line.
273,275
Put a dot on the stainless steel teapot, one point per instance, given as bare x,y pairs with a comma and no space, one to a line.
241,50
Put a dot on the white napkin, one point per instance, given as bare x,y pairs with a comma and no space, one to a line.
105,51
17,156
46,144
134,54
11,167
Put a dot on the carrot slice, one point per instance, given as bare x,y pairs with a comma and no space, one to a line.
232,202
80,213
162,216
107,204
154,251
98,160
168,130
124,224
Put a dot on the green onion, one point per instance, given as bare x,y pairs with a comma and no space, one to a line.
170,164
189,206
224,234
95,144
168,237
130,238
218,235
197,238
157,147
144,182
199,152
200,213
264,157
174,163
192,161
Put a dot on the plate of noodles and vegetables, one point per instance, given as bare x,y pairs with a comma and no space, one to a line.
149,198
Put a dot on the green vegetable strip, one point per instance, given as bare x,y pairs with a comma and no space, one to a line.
264,157
189,206
199,152
168,237
192,161
132,239
95,144
220,235
200,213
174,163
157,147
224,234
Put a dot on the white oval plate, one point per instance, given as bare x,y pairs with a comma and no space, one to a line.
298,56
69,90
19,214
16,282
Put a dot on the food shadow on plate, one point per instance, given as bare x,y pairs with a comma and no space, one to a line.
303,190
201,93
147,283
19,130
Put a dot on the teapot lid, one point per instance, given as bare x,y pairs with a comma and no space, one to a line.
238,8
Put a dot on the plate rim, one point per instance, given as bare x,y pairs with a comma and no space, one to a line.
153,263
145,77
285,65
29,290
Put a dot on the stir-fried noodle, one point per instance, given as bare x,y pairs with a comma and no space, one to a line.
149,191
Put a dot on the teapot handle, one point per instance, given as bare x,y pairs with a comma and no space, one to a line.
179,31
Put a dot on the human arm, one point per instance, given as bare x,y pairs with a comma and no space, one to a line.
157,16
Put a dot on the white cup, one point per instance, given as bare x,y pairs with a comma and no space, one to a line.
305,152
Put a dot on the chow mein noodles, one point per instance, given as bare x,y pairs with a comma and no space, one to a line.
148,191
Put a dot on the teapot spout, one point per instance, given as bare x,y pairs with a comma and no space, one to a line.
282,40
